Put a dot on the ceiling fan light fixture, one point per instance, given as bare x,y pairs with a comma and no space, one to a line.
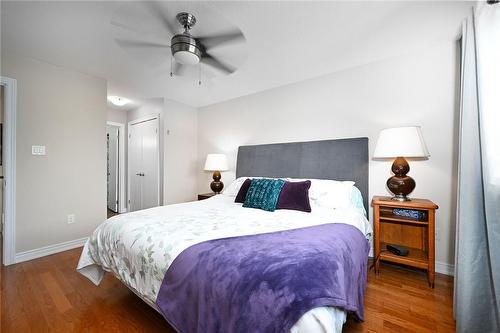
185,50
118,101
186,58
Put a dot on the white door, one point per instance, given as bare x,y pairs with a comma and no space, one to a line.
112,134
144,184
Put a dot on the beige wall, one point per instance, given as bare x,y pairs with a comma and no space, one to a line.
116,116
180,153
66,111
2,101
417,89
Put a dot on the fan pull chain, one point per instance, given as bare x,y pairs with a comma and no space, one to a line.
199,73
171,74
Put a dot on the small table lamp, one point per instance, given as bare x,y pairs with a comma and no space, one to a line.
216,163
401,142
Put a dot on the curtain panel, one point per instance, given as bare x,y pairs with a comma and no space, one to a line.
477,257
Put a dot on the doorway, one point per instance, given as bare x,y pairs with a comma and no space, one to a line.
115,173
143,164
8,154
112,145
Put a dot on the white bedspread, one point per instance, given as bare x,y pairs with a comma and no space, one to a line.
139,247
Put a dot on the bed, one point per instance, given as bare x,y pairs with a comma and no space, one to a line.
140,247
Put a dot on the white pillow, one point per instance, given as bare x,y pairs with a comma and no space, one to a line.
329,193
234,187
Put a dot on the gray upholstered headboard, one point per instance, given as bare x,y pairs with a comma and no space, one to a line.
343,159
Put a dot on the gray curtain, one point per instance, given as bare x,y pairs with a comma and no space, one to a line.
477,259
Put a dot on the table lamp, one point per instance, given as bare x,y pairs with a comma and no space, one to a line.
216,163
401,143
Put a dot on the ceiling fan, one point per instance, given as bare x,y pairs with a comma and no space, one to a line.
186,49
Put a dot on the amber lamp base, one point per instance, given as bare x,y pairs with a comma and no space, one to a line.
400,184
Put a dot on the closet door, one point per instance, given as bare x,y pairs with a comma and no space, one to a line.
143,160
135,167
150,182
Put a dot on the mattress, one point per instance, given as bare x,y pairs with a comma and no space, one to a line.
139,247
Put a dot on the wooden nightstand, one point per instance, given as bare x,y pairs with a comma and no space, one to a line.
205,196
415,234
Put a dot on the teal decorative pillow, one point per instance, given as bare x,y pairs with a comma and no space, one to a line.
264,194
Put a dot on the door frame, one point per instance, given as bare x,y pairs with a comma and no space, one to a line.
122,205
137,121
9,168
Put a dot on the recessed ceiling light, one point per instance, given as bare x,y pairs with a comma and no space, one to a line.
118,101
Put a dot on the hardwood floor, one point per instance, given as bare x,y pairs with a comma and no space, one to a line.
48,295
111,213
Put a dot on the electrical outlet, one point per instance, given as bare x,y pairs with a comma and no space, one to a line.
71,218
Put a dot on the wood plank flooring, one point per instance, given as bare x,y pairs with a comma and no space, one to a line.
110,213
48,295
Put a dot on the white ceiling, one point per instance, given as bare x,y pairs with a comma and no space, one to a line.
286,41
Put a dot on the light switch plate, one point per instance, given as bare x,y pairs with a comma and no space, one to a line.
37,150
71,219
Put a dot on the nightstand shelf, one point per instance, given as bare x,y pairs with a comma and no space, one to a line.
417,235
416,257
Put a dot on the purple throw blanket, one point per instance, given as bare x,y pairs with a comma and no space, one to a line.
265,282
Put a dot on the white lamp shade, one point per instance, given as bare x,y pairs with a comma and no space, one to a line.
216,162
401,142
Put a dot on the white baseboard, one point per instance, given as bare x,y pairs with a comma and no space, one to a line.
444,268
50,249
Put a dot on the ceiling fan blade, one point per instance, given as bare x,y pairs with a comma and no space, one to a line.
230,37
178,69
211,61
125,27
135,43
159,12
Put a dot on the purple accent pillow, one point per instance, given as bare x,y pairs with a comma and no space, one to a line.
242,193
295,196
